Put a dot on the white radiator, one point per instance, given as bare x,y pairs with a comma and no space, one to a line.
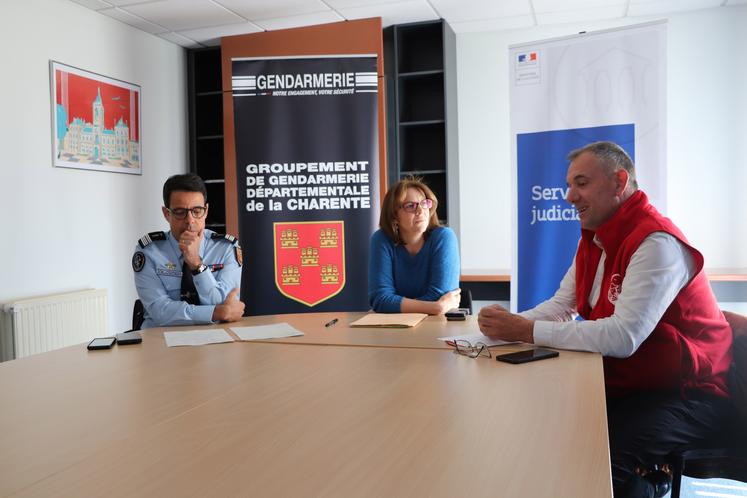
39,324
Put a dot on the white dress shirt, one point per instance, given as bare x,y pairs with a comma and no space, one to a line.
657,271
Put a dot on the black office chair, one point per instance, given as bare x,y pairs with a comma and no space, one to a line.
466,300
138,315
726,456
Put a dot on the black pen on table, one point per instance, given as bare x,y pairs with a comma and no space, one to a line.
331,322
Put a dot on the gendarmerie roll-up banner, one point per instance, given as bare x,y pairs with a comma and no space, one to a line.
307,158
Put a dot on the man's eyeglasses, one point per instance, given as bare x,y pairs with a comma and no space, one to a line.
473,351
181,213
412,206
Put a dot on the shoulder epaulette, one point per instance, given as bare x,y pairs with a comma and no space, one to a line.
150,237
233,240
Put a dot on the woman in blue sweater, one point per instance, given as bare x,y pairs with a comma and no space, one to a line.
414,262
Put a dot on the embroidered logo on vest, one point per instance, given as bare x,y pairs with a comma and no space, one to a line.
615,287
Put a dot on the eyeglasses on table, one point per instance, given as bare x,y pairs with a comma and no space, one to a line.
473,351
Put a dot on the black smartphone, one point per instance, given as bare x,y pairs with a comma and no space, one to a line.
129,338
102,343
456,314
527,356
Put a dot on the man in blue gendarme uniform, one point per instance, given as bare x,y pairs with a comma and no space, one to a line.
188,275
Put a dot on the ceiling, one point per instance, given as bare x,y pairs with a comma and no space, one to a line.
199,23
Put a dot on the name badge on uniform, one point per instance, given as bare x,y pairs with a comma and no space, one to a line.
168,272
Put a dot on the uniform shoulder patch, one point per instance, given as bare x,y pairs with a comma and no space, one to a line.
138,261
150,237
234,241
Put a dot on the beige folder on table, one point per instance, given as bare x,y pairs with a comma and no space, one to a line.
390,320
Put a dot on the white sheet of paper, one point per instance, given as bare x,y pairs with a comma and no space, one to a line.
475,338
274,331
196,337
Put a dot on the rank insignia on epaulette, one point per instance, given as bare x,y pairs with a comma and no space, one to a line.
138,261
150,237
233,240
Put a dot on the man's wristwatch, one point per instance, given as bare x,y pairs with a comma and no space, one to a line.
199,269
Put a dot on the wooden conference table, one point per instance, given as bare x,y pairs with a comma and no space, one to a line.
339,412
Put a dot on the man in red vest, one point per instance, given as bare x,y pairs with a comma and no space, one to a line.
647,308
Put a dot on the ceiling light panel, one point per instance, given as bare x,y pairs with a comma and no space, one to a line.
344,4
179,15
211,36
659,7
565,5
581,15
93,4
271,9
499,24
299,21
475,10
134,21
120,3
392,13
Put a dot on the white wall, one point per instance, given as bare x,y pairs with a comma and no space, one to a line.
68,229
706,138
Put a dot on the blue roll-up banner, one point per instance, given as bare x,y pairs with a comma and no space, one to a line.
307,158
567,93
545,219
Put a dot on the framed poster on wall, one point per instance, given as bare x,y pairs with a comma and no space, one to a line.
95,121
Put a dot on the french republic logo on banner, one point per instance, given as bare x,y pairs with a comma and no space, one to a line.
310,260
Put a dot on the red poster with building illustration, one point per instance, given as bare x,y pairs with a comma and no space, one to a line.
96,121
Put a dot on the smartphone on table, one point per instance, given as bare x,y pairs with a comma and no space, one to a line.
527,356
132,337
102,343
457,314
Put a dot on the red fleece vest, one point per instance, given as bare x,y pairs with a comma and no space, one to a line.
690,347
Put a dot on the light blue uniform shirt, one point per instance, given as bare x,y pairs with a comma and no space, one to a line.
159,281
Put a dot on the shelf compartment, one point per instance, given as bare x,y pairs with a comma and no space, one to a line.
420,47
209,160
209,107
421,98
422,148
217,200
207,72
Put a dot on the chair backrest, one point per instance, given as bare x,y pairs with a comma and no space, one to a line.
466,300
727,461
738,373
138,315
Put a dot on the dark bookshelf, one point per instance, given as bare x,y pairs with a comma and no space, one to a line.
206,129
419,70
